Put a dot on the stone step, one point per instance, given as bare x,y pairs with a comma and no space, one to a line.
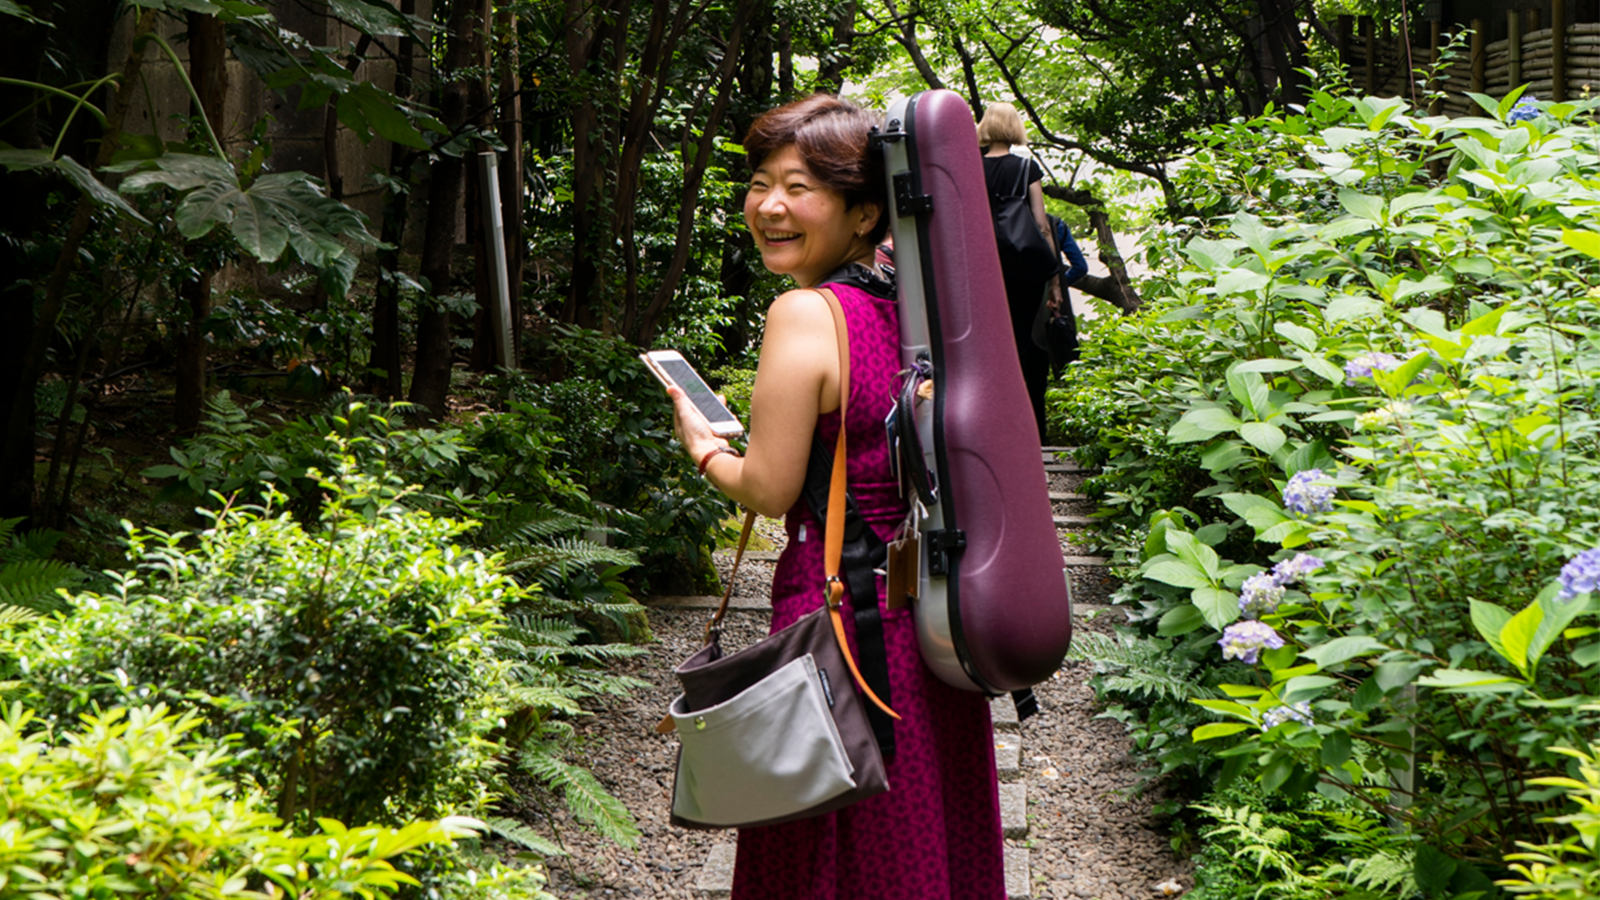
1019,880
1008,755
1069,466
1074,521
1014,810
1003,713
715,880
1087,560
716,876
1059,497
704,602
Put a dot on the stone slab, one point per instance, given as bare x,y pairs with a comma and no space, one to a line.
1063,467
1061,497
1073,521
704,602
1014,810
1008,755
1087,560
1019,884
716,876
1003,712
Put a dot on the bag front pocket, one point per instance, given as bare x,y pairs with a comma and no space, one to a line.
769,752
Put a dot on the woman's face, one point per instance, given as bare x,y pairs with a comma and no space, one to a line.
801,226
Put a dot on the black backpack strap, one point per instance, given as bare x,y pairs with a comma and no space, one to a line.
1025,702
864,553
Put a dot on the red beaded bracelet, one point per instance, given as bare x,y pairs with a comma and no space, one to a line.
713,452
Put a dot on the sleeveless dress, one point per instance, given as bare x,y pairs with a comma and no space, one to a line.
935,834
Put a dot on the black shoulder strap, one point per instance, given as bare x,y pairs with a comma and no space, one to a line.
1025,169
864,553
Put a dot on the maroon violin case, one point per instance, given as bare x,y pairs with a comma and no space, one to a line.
993,599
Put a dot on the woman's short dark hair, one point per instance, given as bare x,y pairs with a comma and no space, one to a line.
832,138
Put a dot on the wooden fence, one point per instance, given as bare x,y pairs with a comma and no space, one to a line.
1553,69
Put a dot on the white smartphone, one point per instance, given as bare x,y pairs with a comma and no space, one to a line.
672,370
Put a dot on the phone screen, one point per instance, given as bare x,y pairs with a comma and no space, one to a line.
699,392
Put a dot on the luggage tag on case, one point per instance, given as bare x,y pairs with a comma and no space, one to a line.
904,556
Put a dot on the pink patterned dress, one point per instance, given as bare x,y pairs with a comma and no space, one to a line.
935,835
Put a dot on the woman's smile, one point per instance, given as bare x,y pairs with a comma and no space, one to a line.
802,227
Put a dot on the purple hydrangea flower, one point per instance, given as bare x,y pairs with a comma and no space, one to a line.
1291,570
1304,496
1525,110
1260,595
1245,641
1364,365
1300,712
1580,575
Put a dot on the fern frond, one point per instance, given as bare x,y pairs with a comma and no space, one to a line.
562,555
32,583
7,526
16,615
586,797
523,836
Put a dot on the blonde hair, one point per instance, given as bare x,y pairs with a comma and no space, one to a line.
1001,125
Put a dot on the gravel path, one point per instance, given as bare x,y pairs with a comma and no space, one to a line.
1090,836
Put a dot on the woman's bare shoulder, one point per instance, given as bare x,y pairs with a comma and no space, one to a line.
803,308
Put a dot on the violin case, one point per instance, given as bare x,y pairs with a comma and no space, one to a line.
992,598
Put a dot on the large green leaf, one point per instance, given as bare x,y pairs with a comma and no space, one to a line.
279,211
1192,551
1516,637
1342,649
1178,573
8,8
1220,608
1200,424
1490,620
1266,437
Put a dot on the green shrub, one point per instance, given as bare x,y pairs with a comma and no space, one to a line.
133,803
352,657
1376,336
630,465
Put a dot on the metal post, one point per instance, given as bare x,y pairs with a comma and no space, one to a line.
1370,87
1477,55
494,238
1558,50
1514,44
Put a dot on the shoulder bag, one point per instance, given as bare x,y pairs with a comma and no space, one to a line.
1024,250
775,732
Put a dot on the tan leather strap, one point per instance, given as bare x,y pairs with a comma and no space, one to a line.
833,535
833,540
744,538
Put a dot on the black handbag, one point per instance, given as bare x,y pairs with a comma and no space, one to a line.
1024,250
775,732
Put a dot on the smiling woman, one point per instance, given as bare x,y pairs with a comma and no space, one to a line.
816,211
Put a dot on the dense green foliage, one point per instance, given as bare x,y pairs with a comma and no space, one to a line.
131,802
1375,347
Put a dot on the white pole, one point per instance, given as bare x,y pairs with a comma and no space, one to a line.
495,238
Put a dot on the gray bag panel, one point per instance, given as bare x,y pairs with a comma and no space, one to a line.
769,752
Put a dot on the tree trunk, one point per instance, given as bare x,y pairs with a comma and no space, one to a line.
834,62
16,454
430,380
383,375
694,176
208,69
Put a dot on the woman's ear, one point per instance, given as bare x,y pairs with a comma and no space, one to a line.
870,212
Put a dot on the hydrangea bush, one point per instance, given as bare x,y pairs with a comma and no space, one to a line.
1375,331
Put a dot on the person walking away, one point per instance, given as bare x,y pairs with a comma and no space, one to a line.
1061,338
1004,171
815,209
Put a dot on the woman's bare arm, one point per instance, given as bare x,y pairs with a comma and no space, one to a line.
796,380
